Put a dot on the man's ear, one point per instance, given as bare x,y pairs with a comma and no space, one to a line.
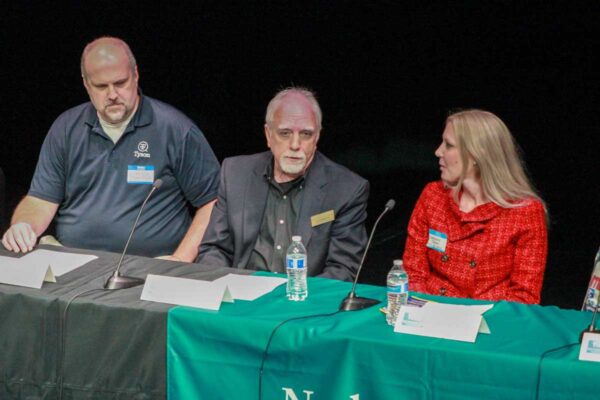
268,135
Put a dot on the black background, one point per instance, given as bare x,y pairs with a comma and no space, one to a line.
386,74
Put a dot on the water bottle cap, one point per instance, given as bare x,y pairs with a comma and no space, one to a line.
398,262
296,238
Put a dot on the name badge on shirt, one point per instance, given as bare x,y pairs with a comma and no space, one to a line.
322,218
437,240
140,174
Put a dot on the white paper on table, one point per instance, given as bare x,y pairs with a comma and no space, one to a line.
590,347
59,262
185,292
249,287
446,321
14,272
484,328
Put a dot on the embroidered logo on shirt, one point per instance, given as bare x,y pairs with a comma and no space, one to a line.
142,150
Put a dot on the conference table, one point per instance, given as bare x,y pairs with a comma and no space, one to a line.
107,345
110,344
356,355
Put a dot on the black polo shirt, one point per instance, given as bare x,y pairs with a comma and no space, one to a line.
278,224
100,185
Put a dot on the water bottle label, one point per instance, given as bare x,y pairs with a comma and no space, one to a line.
295,263
394,289
591,299
402,288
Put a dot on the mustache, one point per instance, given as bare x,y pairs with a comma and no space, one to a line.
295,154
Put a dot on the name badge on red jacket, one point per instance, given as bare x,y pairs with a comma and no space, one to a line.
437,240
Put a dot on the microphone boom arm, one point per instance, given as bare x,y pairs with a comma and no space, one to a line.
352,302
116,281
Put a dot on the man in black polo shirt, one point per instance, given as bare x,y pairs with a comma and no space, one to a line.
99,160
293,189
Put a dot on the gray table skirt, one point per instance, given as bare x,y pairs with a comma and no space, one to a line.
109,345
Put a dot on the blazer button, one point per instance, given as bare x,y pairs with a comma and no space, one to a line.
473,264
445,257
442,291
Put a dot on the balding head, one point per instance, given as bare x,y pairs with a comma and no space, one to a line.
110,77
297,92
105,51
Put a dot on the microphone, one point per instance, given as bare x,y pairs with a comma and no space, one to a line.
116,281
353,302
591,301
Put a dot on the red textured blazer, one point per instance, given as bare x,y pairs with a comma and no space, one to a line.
491,253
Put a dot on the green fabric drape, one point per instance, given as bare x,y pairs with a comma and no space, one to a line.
217,354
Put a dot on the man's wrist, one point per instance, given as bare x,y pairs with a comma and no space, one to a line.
24,223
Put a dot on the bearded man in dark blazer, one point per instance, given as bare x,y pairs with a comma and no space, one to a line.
266,198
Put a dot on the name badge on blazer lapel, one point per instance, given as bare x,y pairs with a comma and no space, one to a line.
322,218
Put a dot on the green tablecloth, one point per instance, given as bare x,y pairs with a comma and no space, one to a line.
356,355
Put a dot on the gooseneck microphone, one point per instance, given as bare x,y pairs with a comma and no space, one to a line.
592,327
116,281
353,302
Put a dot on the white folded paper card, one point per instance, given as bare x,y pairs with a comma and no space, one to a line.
39,266
590,347
446,321
249,287
13,272
60,262
185,292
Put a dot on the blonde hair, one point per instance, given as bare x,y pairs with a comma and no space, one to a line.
482,137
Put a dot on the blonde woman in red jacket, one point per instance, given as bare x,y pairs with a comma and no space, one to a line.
480,232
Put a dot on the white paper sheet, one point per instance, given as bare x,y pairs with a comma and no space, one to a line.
590,347
59,262
13,272
185,292
34,268
446,321
248,287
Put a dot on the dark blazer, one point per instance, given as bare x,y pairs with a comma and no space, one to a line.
334,248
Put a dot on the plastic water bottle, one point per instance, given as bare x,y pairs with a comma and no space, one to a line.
295,260
397,290
593,292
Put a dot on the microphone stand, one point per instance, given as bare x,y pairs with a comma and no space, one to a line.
352,302
118,281
592,327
